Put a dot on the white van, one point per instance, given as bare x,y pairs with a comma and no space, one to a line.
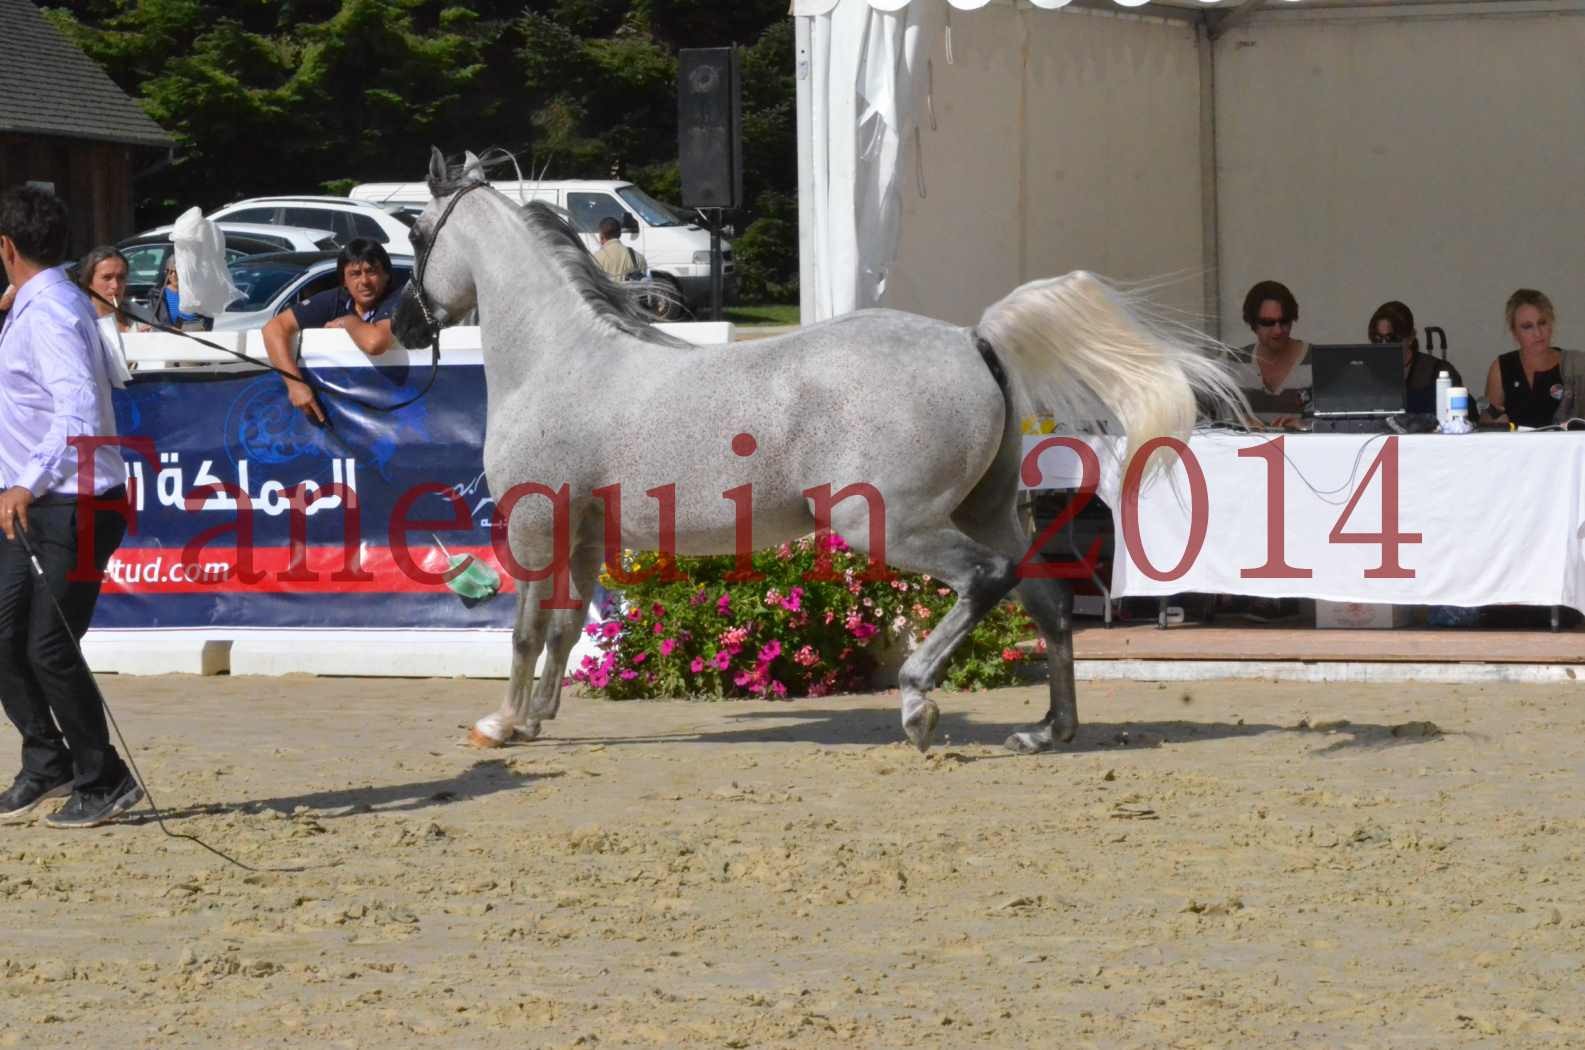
676,248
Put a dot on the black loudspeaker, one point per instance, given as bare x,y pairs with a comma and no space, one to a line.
709,140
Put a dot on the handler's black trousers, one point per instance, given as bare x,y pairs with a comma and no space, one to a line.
47,690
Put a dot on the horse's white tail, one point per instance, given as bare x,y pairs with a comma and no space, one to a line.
1080,350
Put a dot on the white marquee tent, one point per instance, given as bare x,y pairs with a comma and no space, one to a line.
1358,151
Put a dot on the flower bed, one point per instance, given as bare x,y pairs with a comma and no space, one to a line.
813,623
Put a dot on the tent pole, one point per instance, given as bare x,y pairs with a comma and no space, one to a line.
807,212
1210,243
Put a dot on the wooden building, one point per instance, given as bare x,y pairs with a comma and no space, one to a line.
65,123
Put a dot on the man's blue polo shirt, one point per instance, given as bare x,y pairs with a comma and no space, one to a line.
322,308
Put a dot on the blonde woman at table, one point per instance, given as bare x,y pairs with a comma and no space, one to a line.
1525,386
1274,370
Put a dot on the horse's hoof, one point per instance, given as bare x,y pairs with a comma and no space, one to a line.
484,740
920,724
1031,741
526,732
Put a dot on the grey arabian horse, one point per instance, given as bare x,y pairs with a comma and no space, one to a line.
583,393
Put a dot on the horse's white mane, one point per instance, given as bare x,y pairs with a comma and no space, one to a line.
614,303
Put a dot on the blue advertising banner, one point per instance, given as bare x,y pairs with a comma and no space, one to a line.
241,566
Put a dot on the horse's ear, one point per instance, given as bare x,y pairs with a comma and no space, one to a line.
437,171
472,168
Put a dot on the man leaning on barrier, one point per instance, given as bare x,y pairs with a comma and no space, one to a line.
54,387
361,305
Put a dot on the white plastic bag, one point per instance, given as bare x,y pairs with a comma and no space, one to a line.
200,250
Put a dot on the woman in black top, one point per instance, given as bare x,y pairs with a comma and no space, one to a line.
1525,386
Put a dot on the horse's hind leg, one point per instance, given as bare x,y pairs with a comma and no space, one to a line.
1050,604
980,576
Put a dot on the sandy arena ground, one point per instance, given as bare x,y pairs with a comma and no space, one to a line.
1230,865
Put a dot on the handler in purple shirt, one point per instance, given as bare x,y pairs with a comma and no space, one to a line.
54,386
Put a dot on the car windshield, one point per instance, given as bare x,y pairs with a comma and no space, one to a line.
653,211
260,283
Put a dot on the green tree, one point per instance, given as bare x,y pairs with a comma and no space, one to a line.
316,95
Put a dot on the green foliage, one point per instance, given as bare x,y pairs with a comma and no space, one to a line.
305,95
818,621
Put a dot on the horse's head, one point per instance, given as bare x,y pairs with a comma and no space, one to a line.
442,288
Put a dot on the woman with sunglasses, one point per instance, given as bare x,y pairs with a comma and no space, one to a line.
1274,370
1393,322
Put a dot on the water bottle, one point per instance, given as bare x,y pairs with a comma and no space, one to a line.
1457,420
1444,383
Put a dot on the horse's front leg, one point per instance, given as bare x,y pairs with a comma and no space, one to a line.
564,627
1050,604
528,638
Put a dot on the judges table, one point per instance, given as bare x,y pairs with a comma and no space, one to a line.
1429,519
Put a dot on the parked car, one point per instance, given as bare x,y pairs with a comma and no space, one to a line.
347,219
146,252
676,248
271,283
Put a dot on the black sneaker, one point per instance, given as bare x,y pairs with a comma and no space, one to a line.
89,809
25,794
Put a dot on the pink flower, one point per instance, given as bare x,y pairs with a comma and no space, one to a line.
943,591
599,679
777,688
773,597
794,600
784,552
830,616
723,604
696,664
807,656
817,690
723,659
639,658
770,652
629,675
734,636
921,612
699,598
591,629
667,645
833,542
660,628
610,629
863,631
635,614
657,610
1011,655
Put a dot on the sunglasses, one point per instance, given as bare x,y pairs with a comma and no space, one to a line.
1269,322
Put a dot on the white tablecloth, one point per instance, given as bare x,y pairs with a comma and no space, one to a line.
1501,517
